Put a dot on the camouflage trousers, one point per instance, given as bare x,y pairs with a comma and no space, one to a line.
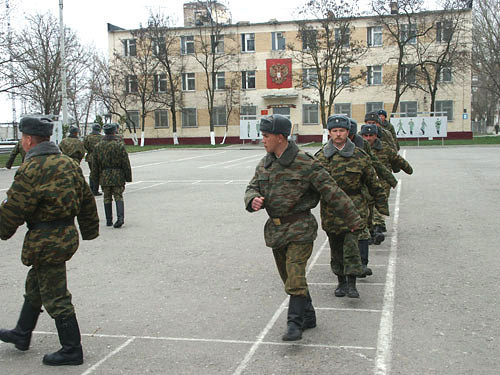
46,285
344,253
291,261
379,219
111,192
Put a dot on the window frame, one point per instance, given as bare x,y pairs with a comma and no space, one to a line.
344,78
449,113
130,47
220,114
161,114
278,41
309,78
245,79
246,38
445,72
184,113
131,114
217,42
408,33
371,75
131,83
187,43
343,36
160,82
309,39
309,110
403,112
373,106
338,108
188,78
218,79
371,36
409,71
444,31
248,114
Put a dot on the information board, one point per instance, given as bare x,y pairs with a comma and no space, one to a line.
420,127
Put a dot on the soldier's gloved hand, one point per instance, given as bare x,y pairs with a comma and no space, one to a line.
257,203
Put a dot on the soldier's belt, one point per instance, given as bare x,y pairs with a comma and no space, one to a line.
54,224
290,218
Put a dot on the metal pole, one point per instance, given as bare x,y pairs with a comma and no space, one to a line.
12,95
64,94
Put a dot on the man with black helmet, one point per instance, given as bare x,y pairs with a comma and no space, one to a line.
48,191
72,146
351,168
288,183
111,169
89,142
382,114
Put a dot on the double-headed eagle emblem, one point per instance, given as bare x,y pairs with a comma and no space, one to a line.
278,73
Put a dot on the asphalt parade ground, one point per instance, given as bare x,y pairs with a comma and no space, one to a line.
187,285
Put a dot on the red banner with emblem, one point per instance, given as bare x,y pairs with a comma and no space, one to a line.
279,73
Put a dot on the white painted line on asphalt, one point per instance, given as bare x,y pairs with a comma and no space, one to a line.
319,345
384,341
346,309
371,265
176,160
229,161
246,161
93,368
260,339
334,284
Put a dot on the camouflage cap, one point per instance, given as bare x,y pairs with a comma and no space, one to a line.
354,127
34,126
276,124
372,116
338,121
73,130
382,112
109,129
368,129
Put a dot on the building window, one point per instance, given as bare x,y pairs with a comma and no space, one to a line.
160,82
278,41
284,111
220,116
217,43
309,39
248,42
189,118
310,114
220,80
131,84
444,31
129,47
309,78
248,112
344,76
187,45
408,74
342,36
343,109
445,106
408,109
445,74
161,118
374,36
133,119
374,75
374,106
188,82
409,33
159,46
248,79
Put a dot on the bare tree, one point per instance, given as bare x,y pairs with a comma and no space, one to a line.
231,96
326,52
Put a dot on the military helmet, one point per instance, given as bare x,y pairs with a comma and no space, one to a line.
372,116
276,124
338,121
354,127
368,129
36,126
382,112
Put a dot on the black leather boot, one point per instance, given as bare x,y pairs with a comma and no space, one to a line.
120,214
21,335
352,292
69,336
341,287
378,236
108,210
363,252
295,320
309,314
94,188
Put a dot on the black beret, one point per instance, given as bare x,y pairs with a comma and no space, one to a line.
276,124
369,129
96,128
109,128
34,126
382,112
372,116
354,127
74,130
338,121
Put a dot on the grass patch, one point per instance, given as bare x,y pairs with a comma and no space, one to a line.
5,157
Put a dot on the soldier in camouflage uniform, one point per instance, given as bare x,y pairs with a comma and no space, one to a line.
18,149
383,134
288,183
388,156
72,146
111,167
388,126
365,238
89,142
352,169
48,191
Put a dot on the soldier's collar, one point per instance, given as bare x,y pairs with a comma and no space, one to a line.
329,150
377,145
44,148
285,159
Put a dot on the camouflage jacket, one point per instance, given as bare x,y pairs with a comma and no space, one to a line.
89,142
110,163
72,147
386,136
49,186
383,173
351,168
293,184
390,158
18,149
388,126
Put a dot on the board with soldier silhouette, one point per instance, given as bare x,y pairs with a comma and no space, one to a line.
420,127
